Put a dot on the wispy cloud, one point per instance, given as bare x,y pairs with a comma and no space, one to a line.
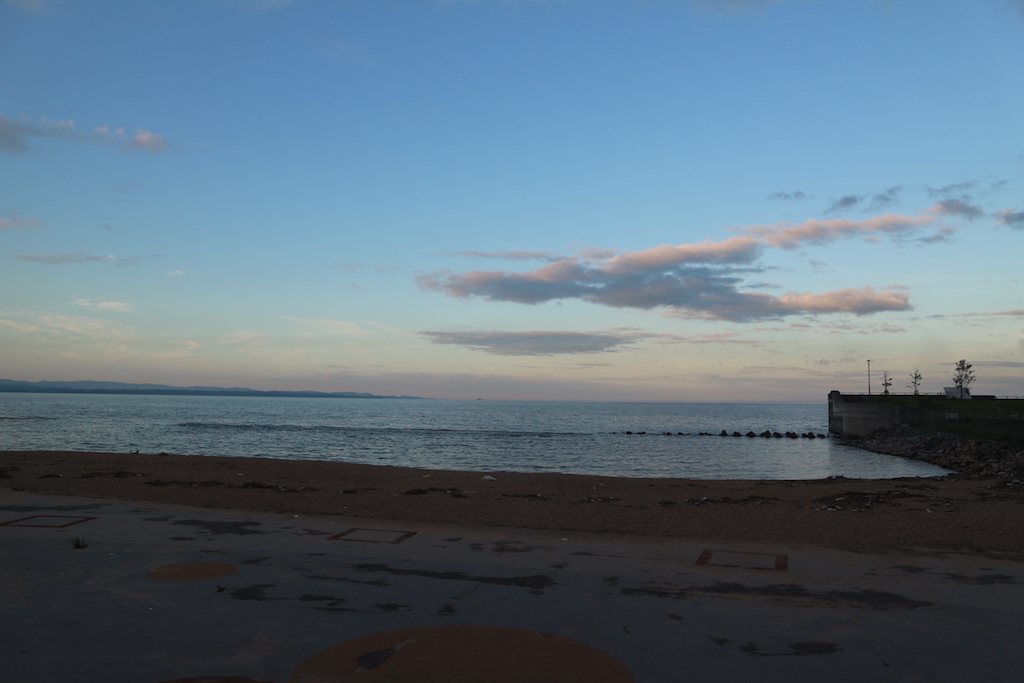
843,203
733,5
970,189
260,5
957,207
143,140
552,343
83,257
535,343
1011,218
93,327
334,327
845,328
818,232
953,190
706,280
15,135
999,364
1018,313
509,255
61,259
353,268
940,235
29,5
101,305
788,196
12,222
47,327
880,201
868,203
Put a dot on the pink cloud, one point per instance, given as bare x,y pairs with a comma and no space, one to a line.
732,250
857,301
817,232
15,135
149,142
704,280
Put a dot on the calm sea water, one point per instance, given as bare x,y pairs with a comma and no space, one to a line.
579,438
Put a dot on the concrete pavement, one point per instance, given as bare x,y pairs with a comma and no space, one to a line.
104,591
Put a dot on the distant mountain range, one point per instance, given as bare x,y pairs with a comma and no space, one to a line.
11,385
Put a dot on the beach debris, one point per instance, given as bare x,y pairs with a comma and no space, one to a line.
726,500
453,492
798,649
78,543
599,499
530,496
488,477
241,485
117,474
277,487
860,501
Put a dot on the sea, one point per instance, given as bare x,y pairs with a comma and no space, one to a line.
656,440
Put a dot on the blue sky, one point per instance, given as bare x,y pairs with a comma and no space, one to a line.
645,200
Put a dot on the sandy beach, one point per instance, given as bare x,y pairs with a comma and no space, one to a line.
979,515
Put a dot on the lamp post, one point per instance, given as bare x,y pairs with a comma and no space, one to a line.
869,377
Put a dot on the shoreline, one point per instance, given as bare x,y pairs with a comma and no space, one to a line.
949,513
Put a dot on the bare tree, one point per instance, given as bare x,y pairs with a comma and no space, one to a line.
886,382
963,376
915,381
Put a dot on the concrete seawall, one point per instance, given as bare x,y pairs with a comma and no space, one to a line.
856,415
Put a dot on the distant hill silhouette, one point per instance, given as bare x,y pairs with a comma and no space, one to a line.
89,387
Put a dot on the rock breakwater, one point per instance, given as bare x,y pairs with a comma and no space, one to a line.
970,457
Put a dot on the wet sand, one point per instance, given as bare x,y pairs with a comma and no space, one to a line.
977,515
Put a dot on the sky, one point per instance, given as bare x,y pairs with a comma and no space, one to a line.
599,200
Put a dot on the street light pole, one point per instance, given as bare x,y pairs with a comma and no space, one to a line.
869,377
